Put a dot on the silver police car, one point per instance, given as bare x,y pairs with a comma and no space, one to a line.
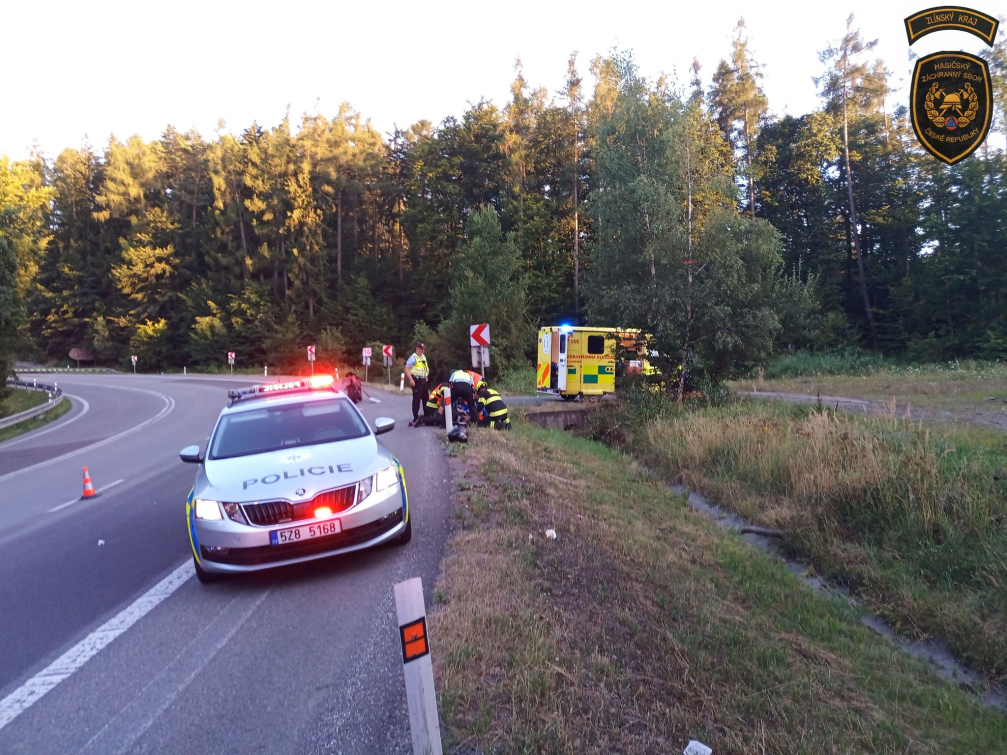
292,472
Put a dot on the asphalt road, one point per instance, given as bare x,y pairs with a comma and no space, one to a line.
300,660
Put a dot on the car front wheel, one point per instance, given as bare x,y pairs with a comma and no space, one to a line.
205,577
407,534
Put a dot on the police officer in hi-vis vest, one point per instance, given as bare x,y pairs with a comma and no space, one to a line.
417,370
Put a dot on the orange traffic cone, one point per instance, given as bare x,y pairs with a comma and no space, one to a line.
88,487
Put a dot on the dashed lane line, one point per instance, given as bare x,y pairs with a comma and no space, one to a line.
18,701
81,500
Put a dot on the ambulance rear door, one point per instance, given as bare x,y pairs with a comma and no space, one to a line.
544,376
561,361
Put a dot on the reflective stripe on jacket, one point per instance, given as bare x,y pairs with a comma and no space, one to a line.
419,368
436,398
493,404
461,376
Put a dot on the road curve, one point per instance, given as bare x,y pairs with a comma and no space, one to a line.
904,409
303,659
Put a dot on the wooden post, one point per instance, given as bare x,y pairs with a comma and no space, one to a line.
418,668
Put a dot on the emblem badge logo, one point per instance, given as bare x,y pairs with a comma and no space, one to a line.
951,105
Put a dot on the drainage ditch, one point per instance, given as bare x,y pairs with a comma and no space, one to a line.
934,652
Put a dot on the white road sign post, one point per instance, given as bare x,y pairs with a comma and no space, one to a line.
367,360
134,364
311,358
230,360
417,668
479,341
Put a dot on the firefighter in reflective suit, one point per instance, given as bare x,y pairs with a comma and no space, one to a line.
493,410
433,410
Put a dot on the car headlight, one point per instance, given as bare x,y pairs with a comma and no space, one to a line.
233,512
208,509
364,488
386,478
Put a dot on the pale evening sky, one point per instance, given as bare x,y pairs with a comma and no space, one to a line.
80,71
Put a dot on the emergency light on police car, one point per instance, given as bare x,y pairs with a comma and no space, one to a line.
292,386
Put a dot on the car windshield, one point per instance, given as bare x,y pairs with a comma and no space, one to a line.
270,428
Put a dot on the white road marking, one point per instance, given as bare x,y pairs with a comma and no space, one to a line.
80,500
58,425
169,404
18,701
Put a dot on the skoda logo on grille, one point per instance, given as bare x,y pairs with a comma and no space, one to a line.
300,491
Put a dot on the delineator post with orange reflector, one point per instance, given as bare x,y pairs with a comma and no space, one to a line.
417,667
89,491
449,421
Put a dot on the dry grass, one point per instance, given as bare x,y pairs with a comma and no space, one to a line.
955,387
642,626
911,516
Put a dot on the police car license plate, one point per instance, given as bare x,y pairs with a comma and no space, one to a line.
305,532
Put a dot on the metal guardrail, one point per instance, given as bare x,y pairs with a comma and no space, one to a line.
55,397
46,370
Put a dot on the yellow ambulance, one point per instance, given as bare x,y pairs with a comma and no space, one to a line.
581,361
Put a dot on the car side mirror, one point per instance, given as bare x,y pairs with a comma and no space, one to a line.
190,455
383,425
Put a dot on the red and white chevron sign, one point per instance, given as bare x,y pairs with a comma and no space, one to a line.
387,350
479,335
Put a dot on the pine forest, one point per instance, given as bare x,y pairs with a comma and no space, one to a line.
682,208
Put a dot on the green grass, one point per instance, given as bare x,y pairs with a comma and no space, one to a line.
643,625
22,400
912,516
805,364
517,382
958,387
36,422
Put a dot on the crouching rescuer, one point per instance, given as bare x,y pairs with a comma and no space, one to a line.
463,383
433,410
492,409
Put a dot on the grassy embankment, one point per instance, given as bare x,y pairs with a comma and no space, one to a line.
953,386
912,516
21,400
643,625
